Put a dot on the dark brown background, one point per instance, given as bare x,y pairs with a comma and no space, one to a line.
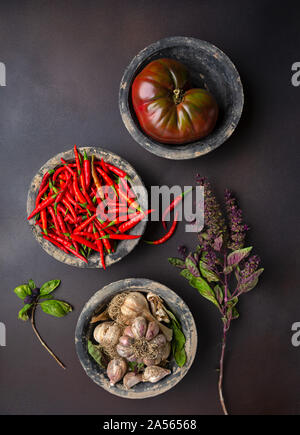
64,63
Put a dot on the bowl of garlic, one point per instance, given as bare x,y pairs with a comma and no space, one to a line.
136,338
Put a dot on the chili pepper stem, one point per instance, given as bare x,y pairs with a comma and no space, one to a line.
32,319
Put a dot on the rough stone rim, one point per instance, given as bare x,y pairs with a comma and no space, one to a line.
194,149
125,246
175,303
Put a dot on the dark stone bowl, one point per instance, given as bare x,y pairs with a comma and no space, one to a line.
209,68
124,246
99,301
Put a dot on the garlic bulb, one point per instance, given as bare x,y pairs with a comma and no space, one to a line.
116,369
126,340
135,304
124,351
107,333
139,327
151,361
159,340
131,379
154,374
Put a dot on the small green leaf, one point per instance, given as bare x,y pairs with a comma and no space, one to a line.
206,273
219,293
186,274
177,262
204,289
180,357
56,308
49,286
23,313
22,291
178,340
31,284
97,354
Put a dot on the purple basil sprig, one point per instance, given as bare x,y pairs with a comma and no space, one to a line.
220,268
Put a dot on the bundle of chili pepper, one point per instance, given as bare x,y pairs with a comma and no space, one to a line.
87,206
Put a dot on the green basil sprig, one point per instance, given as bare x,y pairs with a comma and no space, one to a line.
34,297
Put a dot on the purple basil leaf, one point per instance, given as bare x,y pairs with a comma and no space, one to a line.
235,257
191,264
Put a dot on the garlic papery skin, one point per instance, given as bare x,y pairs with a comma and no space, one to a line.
165,351
116,369
134,304
107,333
154,374
152,330
131,379
139,327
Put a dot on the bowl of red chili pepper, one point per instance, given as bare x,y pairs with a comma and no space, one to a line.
87,207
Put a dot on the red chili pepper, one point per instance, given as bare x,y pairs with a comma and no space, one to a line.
67,166
54,218
57,172
85,223
106,243
87,170
133,221
103,165
50,239
42,205
99,244
120,236
107,179
79,195
44,220
77,161
131,201
119,172
96,180
61,223
173,205
41,193
166,236
70,208
45,179
83,241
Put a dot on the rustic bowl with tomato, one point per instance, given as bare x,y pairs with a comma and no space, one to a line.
180,98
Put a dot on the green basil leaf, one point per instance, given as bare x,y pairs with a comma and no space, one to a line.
97,354
31,284
23,313
206,273
177,262
56,308
204,289
180,357
49,287
186,274
22,291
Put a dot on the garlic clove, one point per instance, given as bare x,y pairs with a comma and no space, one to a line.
116,369
126,341
107,333
124,351
157,307
159,340
131,379
154,374
151,361
152,330
165,351
139,327
128,331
